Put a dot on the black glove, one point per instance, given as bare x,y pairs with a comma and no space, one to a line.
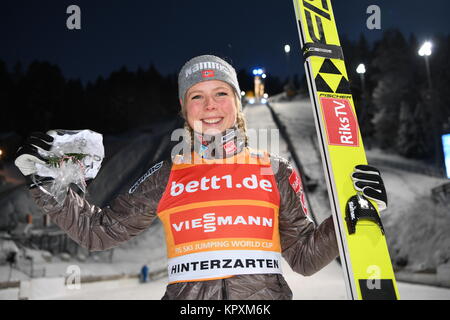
28,155
367,179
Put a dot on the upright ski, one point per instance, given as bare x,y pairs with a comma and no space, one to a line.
362,244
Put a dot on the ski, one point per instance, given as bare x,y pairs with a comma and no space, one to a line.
366,263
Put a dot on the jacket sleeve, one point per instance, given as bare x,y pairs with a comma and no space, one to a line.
305,247
99,229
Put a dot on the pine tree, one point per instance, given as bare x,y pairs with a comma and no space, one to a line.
413,136
392,62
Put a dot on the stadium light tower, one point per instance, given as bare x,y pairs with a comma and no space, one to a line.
361,69
425,51
287,50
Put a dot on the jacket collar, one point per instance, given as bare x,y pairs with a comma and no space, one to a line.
223,145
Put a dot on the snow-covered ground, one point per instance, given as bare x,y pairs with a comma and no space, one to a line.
403,187
327,284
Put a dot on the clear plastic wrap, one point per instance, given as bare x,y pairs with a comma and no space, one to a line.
75,156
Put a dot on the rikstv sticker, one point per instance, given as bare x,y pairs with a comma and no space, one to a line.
340,121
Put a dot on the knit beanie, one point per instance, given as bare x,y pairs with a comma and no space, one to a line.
205,68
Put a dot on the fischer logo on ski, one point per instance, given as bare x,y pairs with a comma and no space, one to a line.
317,23
318,15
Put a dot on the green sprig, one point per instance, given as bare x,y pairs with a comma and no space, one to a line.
55,161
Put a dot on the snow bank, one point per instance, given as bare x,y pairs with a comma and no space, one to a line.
419,235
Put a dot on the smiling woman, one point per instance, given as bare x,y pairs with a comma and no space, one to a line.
209,95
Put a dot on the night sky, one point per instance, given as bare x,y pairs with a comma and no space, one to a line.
167,33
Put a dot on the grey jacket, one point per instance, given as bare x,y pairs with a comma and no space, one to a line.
306,247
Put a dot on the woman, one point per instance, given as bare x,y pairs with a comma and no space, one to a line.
229,212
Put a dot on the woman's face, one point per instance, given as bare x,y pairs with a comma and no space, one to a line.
211,107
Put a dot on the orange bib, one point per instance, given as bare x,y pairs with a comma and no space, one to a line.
221,218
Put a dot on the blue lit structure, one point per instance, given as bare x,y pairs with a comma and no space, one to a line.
446,146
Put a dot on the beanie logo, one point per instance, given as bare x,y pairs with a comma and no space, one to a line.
206,66
208,73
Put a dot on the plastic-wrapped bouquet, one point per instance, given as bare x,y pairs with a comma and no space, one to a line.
75,156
